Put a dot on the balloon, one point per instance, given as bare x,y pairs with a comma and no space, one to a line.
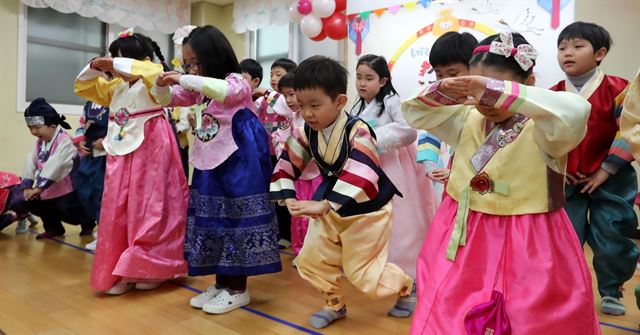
320,36
294,14
335,26
323,8
311,26
304,7
341,5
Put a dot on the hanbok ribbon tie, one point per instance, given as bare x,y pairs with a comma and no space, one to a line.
482,184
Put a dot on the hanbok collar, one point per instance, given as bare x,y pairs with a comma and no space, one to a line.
589,87
45,147
331,140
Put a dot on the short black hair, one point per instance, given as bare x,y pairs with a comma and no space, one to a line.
137,46
286,81
253,68
284,63
214,52
500,62
452,48
321,72
595,34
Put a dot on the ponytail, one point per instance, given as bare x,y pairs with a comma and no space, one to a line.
158,52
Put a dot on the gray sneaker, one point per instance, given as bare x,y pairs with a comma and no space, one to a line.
612,306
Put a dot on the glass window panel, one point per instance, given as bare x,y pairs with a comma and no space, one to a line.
53,25
272,40
51,72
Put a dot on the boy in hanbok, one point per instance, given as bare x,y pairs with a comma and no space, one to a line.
274,114
601,183
351,210
89,179
449,56
47,184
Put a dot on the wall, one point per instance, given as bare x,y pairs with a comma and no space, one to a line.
203,13
620,17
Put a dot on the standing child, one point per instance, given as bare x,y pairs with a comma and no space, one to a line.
602,184
449,56
310,178
501,255
274,114
46,182
144,203
351,210
252,72
379,106
231,228
89,179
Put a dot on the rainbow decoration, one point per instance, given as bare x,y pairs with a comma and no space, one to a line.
462,23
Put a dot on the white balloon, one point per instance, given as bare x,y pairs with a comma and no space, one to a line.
293,12
311,26
323,8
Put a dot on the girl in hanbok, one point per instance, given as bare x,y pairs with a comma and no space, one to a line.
144,203
231,227
501,256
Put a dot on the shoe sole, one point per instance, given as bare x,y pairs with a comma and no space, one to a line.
224,310
615,312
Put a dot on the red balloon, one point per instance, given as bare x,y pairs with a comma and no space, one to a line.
320,36
341,5
335,26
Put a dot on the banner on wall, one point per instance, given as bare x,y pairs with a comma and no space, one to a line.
404,31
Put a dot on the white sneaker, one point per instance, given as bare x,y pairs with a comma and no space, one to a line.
145,286
119,288
22,227
92,245
204,297
226,302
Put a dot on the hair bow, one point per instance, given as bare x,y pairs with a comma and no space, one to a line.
126,33
181,33
524,54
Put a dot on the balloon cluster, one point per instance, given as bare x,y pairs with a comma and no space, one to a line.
320,19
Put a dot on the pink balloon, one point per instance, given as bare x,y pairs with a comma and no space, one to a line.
304,7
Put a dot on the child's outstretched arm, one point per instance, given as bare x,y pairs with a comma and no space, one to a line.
232,91
431,110
93,83
396,134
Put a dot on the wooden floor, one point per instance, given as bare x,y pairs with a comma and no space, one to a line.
44,289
